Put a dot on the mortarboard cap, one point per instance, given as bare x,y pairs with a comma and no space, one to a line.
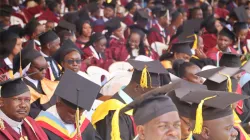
241,14
6,10
160,11
149,74
48,37
77,94
71,17
113,24
226,32
96,37
141,15
230,60
93,7
182,47
110,5
65,25
16,29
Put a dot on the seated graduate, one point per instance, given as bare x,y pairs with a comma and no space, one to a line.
50,43
225,41
95,53
146,75
11,45
222,79
241,30
84,31
212,114
15,106
41,89
66,120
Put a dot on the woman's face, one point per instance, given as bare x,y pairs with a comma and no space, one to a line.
218,25
100,45
86,30
191,75
134,41
72,61
18,47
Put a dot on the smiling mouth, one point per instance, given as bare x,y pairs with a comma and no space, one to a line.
22,112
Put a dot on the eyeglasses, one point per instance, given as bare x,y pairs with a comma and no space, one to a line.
19,100
79,61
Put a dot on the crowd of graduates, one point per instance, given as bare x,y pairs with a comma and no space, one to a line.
124,69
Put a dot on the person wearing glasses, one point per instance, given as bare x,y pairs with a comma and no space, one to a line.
41,89
14,109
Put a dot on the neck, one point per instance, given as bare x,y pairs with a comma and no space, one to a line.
11,57
83,38
129,89
45,51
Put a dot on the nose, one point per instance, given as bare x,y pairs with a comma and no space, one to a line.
172,132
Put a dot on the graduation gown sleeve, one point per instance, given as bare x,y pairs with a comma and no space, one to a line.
210,40
154,36
128,20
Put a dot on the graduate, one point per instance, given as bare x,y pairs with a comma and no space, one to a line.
84,31
195,13
15,107
241,30
50,43
131,8
97,21
146,75
5,14
214,116
158,32
225,41
66,120
52,13
65,25
95,53
109,10
176,22
11,45
41,89
221,11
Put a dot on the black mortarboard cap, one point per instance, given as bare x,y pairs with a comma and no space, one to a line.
6,10
71,17
66,26
226,32
112,4
67,47
81,94
241,14
30,27
96,37
141,15
159,11
28,54
182,47
230,60
48,37
153,72
113,24
16,29
240,26
130,5
93,7
14,87
246,66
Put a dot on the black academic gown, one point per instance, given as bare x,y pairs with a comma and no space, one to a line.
103,127
36,107
88,134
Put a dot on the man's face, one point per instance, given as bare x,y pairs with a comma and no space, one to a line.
54,46
164,21
242,34
198,14
223,42
164,127
72,61
37,65
100,45
185,127
191,74
219,129
109,12
17,107
49,26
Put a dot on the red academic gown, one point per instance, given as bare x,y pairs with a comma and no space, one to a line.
31,12
209,41
101,62
49,16
155,35
114,49
212,54
128,20
222,13
30,129
3,67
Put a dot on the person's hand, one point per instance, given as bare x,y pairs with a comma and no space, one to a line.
3,77
200,54
88,60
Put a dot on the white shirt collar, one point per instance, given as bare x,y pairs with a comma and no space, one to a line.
95,54
16,8
43,54
35,82
130,15
8,62
17,126
112,36
37,42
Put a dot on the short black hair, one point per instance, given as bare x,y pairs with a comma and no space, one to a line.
179,67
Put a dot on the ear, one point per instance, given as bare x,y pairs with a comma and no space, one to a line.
205,133
140,130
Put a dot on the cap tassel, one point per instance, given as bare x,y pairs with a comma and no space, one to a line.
2,127
115,132
144,78
77,118
195,45
229,82
11,74
199,117
190,136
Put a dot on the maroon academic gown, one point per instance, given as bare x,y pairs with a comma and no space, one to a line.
209,41
128,20
101,62
4,68
212,54
155,35
9,134
31,12
222,13
114,49
49,16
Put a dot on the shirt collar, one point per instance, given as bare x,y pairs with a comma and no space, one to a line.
8,120
112,36
126,98
161,28
35,82
37,42
8,62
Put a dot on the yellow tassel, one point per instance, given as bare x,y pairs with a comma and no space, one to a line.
144,78
229,82
199,117
190,136
108,1
11,75
243,63
2,127
115,132
77,119
195,45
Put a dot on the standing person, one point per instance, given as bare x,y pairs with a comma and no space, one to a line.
15,107
84,30
11,45
106,112
65,120
50,43
131,8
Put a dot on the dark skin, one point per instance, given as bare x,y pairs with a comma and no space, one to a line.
37,65
109,12
242,34
51,47
185,127
133,10
39,29
5,20
182,56
163,21
17,107
164,127
218,129
100,45
66,113
178,21
74,55
191,76
223,42
197,14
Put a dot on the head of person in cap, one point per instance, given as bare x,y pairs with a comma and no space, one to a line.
241,31
72,5
5,13
65,35
72,101
230,60
94,10
196,13
33,29
212,115
50,42
225,39
109,9
113,26
162,15
84,31
131,7
176,22
65,25
15,107
141,18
